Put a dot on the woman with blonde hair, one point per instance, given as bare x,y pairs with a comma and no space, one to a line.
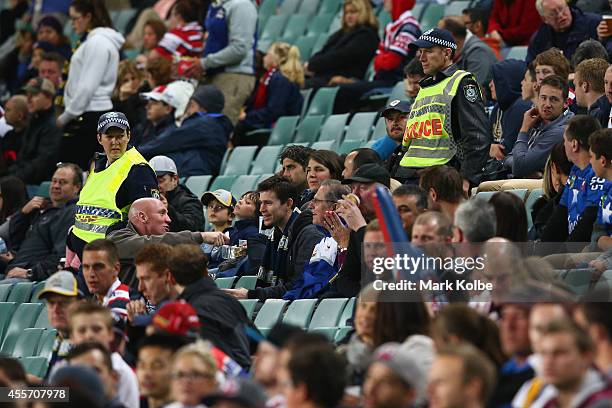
347,53
276,94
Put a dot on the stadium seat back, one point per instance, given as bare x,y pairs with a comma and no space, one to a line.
43,319
308,131
240,160
289,7
329,332
266,160
224,182
347,313
309,7
456,7
198,185
342,332
282,132
249,306
300,312
323,145
520,193
244,184
518,52
266,9
320,24
333,128
431,15
36,366
380,130
27,343
305,44
330,6
21,292
529,203
360,126
320,43
38,287
246,282
397,93
225,283
5,290
349,145
25,316
327,313
323,102
274,28
270,314
45,345
296,27
6,313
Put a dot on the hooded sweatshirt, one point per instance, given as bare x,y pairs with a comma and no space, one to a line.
93,74
507,115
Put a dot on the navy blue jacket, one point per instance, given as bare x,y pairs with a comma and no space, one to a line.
507,76
584,26
601,110
283,99
197,146
244,229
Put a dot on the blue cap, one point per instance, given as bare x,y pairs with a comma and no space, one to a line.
396,105
435,37
112,119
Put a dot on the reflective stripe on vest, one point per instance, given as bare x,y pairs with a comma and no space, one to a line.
429,126
97,210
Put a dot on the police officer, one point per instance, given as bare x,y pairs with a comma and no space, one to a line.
116,180
447,122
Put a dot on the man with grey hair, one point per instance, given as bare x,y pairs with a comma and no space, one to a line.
565,27
432,227
475,222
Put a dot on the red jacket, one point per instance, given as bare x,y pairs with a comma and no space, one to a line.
514,20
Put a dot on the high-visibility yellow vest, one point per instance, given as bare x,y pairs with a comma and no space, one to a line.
97,210
429,127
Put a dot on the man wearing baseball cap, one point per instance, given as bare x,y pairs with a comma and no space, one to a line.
395,115
115,181
447,122
184,208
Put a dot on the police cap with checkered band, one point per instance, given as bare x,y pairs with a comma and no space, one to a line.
112,119
436,37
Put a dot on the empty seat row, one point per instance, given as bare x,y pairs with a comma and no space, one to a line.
21,292
246,282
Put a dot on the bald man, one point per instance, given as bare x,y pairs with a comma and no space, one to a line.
15,115
149,223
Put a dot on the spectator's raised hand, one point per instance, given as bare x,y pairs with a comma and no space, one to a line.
194,70
496,151
602,30
135,308
336,228
215,238
351,214
530,118
35,203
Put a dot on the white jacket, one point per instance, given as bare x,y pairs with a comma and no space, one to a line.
93,74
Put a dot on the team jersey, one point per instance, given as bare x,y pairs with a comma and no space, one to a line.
583,189
183,41
604,209
116,300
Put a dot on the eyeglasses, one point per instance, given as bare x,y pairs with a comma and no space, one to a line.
215,208
191,376
556,13
317,201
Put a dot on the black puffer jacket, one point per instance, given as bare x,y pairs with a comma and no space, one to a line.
185,210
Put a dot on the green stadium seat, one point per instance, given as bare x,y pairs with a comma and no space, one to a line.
306,95
308,130
25,316
323,145
249,306
296,27
43,319
329,332
330,6
122,20
243,184
224,182
336,23
225,283
333,128
246,282
264,177
349,145
484,195
198,185
282,133
272,31
38,287
21,292
27,343
36,366
397,93
45,345
418,9
305,44
320,24
289,7
43,189
269,314
300,312
520,193
5,290
323,102
6,313
531,199
240,160
309,7
360,126
327,313
320,43
266,160
368,144
380,130
224,160
518,52
456,7
342,332
266,9
431,15
384,18
347,313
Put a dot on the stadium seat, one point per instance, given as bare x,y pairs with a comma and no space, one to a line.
240,160
349,145
6,313
531,199
327,313
306,95
330,6
456,7
578,278
249,306
431,15
198,185
123,18
266,160
518,52
484,195
347,313
43,319
25,316
27,343
320,43
329,332
5,290
323,145
336,23
397,93
264,177
342,332
246,282
368,144
45,345
224,182
309,7
418,9
360,126
380,130
520,193
300,312
224,160
384,18
320,24
225,283
308,130
289,7
243,184
266,9
21,292
36,366
272,31
323,102
333,128
296,27
38,287
282,132
269,314
305,44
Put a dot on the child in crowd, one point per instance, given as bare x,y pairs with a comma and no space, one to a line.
247,217
219,206
185,38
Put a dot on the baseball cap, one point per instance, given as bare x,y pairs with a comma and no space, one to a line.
434,37
396,105
61,283
163,165
399,361
242,391
175,94
369,173
37,85
210,98
112,119
176,318
223,196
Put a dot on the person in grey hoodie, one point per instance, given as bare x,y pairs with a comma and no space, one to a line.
229,53
541,129
91,79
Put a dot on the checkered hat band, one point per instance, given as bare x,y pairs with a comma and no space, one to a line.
439,41
113,120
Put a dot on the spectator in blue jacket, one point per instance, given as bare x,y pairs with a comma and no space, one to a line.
277,93
564,27
198,145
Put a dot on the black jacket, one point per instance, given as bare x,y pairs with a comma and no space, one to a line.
223,319
345,53
348,283
147,131
185,210
39,151
45,239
